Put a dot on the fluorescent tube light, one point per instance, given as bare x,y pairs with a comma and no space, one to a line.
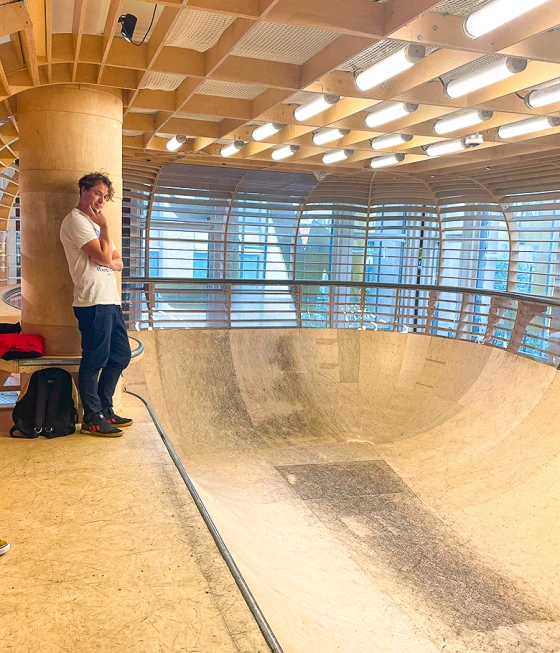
264,131
284,152
173,144
232,148
457,145
528,126
328,135
393,65
447,125
388,114
543,97
337,155
496,72
495,14
315,106
390,140
384,161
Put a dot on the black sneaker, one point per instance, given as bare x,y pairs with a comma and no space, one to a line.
115,419
98,425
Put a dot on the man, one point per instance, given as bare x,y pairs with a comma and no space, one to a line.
93,261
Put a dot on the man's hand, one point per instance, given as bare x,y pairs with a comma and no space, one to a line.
96,216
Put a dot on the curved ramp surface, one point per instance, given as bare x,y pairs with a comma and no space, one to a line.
379,491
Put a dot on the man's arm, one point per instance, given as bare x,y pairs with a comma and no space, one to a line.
116,263
101,251
95,252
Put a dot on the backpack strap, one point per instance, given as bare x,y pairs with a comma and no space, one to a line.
53,399
15,429
41,408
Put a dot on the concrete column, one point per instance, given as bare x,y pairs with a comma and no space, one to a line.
64,133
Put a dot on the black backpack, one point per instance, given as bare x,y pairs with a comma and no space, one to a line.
46,405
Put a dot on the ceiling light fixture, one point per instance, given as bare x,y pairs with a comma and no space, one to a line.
543,97
453,124
528,126
232,148
493,73
457,145
327,135
385,161
337,155
267,130
173,144
284,152
390,140
388,114
315,106
387,68
495,14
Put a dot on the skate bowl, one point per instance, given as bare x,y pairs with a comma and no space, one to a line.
379,491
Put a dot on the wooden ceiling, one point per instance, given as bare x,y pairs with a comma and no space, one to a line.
214,69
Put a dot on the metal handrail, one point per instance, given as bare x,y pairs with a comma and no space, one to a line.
241,583
71,360
547,301
10,293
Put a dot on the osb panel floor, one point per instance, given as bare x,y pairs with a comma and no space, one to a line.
109,553
380,492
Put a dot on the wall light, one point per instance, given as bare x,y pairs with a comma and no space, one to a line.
457,145
496,72
385,161
390,140
328,135
496,14
387,68
284,152
543,97
232,148
173,144
453,124
337,155
528,126
264,131
315,106
388,114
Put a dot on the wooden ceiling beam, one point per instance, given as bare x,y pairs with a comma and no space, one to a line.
226,43
212,105
14,18
330,57
180,61
78,21
108,38
48,38
30,54
243,70
163,28
542,47
236,8
354,17
399,13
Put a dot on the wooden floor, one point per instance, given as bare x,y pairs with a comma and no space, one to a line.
379,491
109,553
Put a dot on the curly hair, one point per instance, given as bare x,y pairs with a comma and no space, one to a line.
92,179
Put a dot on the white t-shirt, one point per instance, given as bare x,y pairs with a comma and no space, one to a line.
93,283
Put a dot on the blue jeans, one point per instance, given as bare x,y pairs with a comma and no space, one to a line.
105,347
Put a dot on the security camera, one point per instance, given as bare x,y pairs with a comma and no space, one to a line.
128,22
